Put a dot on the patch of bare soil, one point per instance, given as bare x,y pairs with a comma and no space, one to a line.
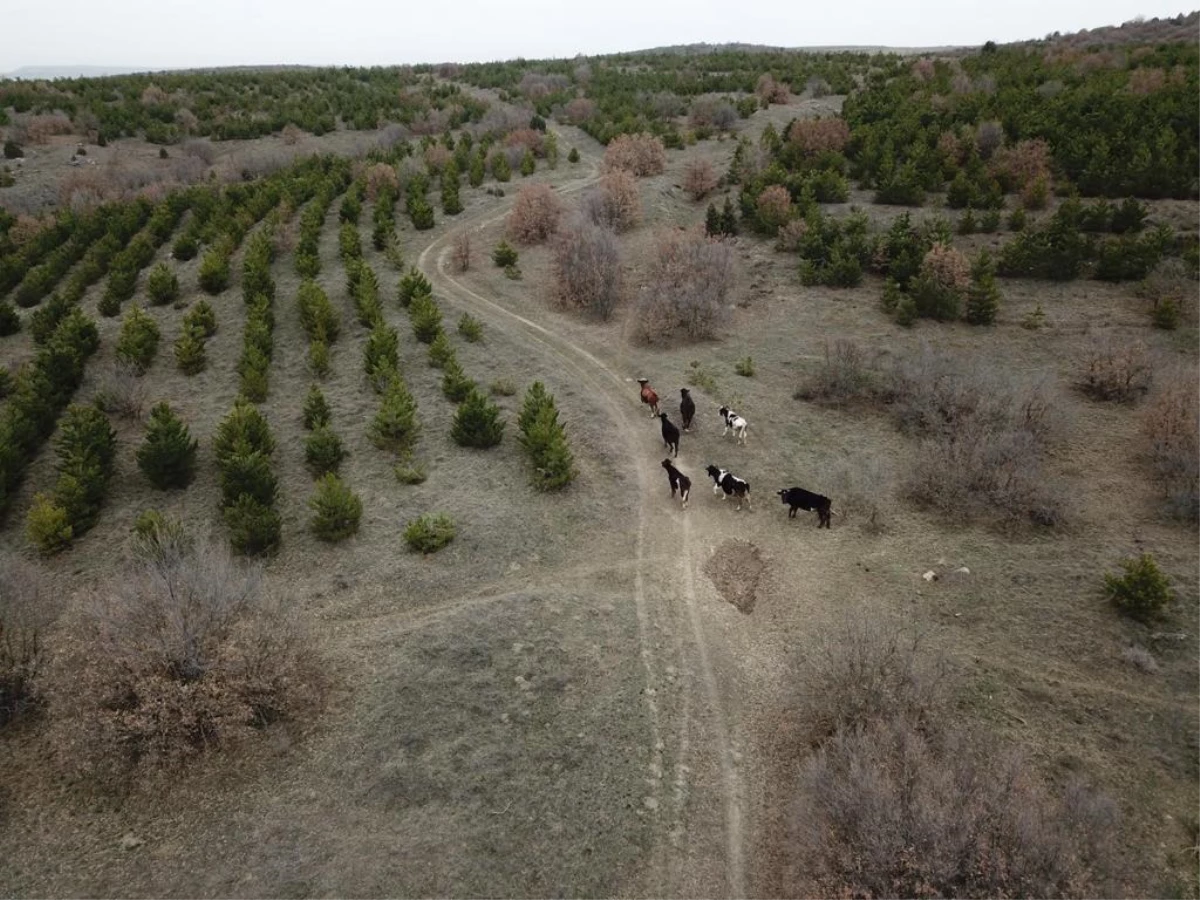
735,569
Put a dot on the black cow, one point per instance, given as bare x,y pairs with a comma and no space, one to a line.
687,409
798,498
679,482
731,485
670,433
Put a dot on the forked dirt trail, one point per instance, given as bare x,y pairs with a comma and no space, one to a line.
696,800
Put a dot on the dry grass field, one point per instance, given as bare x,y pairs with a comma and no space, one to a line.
595,692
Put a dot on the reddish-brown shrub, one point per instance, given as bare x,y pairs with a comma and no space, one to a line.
25,611
947,267
640,154
436,157
774,206
534,215
153,95
536,84
923,69
1145,81
615,203
578,111
771,91
699,179
814,136
187,120
1114,369
526,139
790,234
1024,163
1172,427
378,176
686,287
587,267
39,129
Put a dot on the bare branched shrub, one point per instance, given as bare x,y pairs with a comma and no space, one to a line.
1024,163
864,671
39,129
526,139
201,148
948,267
615,203
587,265
179,655
639,154
895,809
985,435
1115,370
711,112
699,179
813,136
1172,427
895,797
291,134
790,235
861,489
460,252
845,377
24,614
1140,658
122,391
436,157
534,215
686,286
989,137
817,87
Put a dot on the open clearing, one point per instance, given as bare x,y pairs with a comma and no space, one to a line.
574,698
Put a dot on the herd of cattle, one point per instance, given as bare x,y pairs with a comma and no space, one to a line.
725,482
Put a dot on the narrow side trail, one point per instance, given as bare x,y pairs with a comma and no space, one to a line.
698,812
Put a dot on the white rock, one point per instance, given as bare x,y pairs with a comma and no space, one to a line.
930,575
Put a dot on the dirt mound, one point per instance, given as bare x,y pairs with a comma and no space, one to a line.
735,569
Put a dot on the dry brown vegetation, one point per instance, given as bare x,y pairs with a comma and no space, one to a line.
699,179
638,154
686,284
587,265
615,203
535,214
1172,425
1115,369
900,799
181,654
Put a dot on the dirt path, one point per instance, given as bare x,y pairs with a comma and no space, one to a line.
689,730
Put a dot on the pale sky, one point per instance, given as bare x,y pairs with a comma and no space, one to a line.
160,34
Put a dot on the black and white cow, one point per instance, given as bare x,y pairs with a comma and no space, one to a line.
731,485
670,433
687,409
679,482
798,498
735,423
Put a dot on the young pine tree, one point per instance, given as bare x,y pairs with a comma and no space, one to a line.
528,164
983,297
395,425
477,422
337,510
168,455
189,351
451,203
475,172
162,286
139,339
316,410
456,386
426,318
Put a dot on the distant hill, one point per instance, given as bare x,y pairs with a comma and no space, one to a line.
31,73
700,49
1176,29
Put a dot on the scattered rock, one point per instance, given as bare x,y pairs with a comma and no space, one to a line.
930,575
962,570
130,841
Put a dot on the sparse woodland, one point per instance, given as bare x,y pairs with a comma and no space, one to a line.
318,401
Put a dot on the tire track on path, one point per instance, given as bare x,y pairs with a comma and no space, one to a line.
613,391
